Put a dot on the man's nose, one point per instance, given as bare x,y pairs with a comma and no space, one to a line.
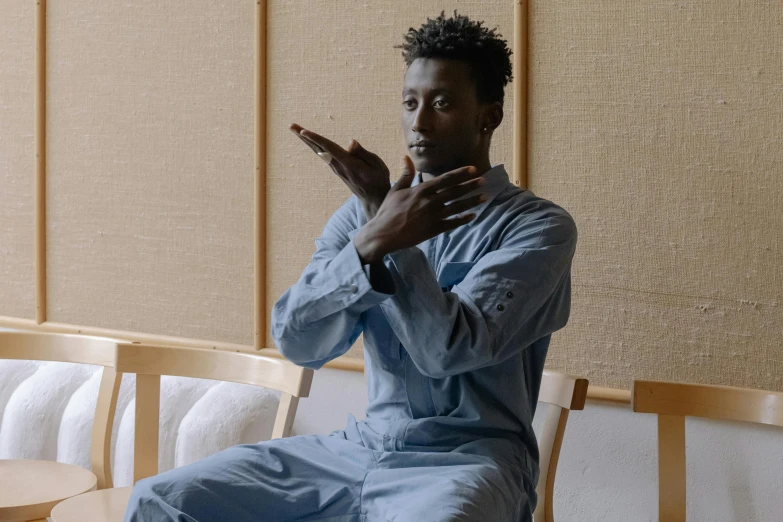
422,120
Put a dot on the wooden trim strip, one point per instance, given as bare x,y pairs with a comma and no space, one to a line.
260,276
26,324
19,324
40,162
520,56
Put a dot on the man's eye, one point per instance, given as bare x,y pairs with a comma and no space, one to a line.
440,104
409,104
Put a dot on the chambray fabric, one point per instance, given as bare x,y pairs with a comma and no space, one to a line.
456,332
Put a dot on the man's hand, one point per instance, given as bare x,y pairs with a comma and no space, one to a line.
409,216
364,172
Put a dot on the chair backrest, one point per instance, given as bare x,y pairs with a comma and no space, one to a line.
99,351
150,362
564,393
675,401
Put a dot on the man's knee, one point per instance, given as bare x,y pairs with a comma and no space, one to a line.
154,498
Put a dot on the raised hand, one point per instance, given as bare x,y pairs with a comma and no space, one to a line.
410,215
365,174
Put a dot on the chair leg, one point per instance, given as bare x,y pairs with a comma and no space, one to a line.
286,413
671,468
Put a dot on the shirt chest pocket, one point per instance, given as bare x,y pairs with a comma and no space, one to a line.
450,274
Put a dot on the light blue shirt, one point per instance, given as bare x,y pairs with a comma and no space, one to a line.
455,348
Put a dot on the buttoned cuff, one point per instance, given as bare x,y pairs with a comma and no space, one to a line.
353,282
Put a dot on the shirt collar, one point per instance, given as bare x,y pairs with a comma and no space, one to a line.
496,180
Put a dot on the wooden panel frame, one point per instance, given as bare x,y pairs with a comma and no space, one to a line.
521,50
40,162
41,323
260,77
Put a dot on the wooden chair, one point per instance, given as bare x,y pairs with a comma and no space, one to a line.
29,489
675,401
564,393
149,363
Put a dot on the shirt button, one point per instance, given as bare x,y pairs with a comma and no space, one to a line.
501,308
353,289
509,295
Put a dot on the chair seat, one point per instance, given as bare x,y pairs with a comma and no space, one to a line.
29,489
106,505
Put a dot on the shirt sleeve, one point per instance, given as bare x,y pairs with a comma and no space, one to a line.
510,298
319,318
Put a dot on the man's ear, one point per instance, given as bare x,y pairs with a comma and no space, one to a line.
493,116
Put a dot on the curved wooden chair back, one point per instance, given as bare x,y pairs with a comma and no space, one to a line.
80,349
675,401
149,363
564,393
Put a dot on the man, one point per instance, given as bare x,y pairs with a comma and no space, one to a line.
456,308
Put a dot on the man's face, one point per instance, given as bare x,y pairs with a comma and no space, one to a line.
441,115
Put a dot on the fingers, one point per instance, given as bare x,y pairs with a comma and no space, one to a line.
449,179
408,173
462,205
296,130
450,224
456,192
355,149
325,144
324,147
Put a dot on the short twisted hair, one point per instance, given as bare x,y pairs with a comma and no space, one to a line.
459,38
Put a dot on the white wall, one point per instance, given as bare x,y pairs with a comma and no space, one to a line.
608,466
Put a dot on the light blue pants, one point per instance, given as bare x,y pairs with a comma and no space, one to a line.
317,477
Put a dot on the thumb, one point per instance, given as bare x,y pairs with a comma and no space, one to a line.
355,149
408,173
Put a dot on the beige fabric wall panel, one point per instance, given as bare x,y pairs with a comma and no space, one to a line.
333,68
659,125
17,159
150,166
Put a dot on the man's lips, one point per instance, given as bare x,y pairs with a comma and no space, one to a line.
421,146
